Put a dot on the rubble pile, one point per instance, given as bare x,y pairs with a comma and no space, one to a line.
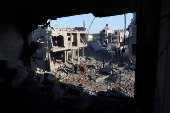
98,78
98,55
65,97
97,89
93,83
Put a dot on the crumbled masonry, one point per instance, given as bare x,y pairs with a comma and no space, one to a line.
111,86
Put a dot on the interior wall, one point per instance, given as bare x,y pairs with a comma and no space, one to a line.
60,41
147,18
75,38
58,55
162,86
69,55
81,51
53,40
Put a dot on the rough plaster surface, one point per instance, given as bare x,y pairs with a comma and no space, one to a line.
11,43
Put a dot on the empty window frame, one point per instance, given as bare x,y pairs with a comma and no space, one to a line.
68,34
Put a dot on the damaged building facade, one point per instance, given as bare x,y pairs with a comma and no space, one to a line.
117,40
151,16
132,37
105,35
63,44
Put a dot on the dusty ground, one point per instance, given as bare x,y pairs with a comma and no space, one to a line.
107,91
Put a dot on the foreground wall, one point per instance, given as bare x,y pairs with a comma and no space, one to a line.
147,18
162,86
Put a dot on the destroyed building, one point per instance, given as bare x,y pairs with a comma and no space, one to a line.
105,35
63,44
117,40
151,92
119,34
132,37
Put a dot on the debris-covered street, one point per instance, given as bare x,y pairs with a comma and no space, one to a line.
110,83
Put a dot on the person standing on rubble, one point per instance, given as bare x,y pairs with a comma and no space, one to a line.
84,69
81,68
130,62
103,62
75,68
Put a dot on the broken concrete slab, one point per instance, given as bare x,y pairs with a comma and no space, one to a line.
106,70
114,95
56,85
58,93
75,91
101,79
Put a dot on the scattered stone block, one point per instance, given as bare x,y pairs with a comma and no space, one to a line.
75,91
58,93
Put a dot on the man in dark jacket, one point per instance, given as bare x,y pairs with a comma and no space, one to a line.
75,68
103,62
81,68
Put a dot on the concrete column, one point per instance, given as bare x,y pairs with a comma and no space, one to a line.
82,51
72,54
78,39
65,56
78,55
50,63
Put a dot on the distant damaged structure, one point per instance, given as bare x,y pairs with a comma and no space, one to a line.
105,36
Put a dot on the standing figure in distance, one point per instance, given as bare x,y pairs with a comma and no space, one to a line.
81,68
103,62
75,68
84,69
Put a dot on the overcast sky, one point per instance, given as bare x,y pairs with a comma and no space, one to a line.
114,22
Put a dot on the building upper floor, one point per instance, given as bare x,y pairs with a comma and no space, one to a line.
119,31
105,34
133,27
61,38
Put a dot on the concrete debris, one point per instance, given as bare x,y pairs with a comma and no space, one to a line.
75,91
78,91
58,93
